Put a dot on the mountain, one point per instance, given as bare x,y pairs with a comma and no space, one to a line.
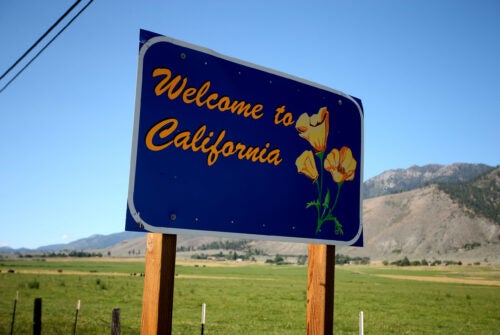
447,213
93,242
480,195
445,221
401,180
7,249
426,223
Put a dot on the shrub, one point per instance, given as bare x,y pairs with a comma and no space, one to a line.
402,262
302,259
35,284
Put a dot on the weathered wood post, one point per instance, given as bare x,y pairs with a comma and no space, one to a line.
14,313
76,316
158,296
37,317
320,289
115,321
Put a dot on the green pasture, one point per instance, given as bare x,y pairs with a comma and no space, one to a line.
250,299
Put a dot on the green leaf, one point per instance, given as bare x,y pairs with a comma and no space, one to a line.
314,203
320,154
338,227
326,203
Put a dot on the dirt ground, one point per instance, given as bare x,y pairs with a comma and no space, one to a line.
445,280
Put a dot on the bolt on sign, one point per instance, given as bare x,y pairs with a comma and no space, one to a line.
226,148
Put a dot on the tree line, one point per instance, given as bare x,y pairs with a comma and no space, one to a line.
482,200
62,254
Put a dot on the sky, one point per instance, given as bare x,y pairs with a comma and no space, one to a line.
427,72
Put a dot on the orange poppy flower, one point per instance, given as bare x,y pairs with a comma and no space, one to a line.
306,165
341,164
314,128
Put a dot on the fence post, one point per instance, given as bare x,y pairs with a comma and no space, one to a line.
37,317
76,316
203,313
115,321
361,324
14,313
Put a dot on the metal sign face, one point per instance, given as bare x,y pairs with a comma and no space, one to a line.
223,147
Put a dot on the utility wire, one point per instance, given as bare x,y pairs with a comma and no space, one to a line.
45,47
40,39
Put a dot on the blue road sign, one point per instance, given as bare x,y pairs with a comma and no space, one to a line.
227,148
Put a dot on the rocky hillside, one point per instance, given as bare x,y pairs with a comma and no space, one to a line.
426,223
450,213
401,180
93,242
480,196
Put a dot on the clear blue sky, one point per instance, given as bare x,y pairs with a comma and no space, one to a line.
428,73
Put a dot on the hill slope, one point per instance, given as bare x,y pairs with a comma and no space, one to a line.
426,223
422,223
481,195
93,242
446,221
401,180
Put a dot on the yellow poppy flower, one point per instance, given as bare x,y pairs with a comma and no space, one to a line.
314,128
341,164
306,165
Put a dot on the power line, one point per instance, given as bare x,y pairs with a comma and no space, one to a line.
40,39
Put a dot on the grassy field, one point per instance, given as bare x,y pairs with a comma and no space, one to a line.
251,298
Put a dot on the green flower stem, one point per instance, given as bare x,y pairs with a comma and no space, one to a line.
325,214
321,156
318,204
339,186
318,227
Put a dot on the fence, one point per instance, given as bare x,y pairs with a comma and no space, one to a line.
37,318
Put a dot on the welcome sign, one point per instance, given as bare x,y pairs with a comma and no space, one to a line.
223,147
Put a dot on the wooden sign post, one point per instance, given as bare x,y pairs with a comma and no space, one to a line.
158,296
320,289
